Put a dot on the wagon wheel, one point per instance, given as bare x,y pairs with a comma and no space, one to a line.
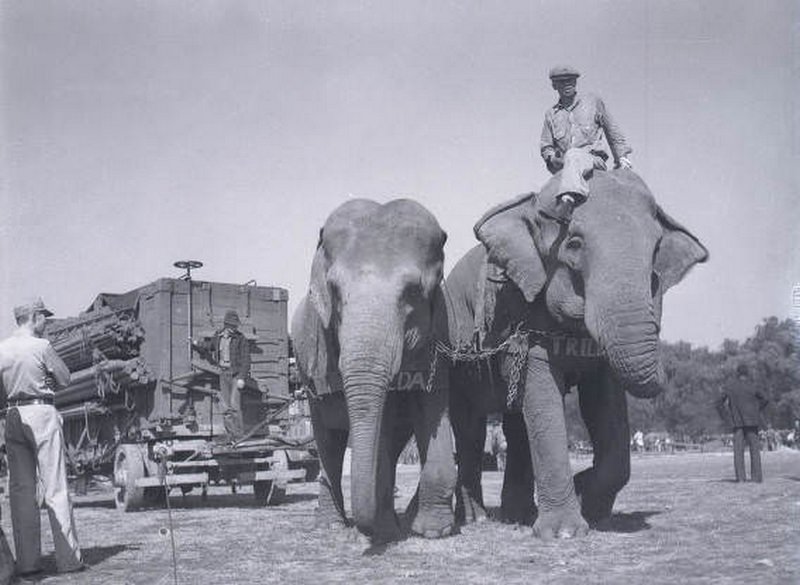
129,465
271,492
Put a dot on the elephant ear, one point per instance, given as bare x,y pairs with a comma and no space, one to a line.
507,233
677,251
319,293
310,344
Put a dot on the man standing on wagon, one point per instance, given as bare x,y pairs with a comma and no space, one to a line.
30,372
229,349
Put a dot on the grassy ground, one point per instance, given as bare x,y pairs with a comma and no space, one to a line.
680,520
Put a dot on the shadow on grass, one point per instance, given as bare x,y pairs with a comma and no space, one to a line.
626,522
93,503
176,500
91,556
237,500
791,477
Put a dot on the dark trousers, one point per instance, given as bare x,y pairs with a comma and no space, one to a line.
749,435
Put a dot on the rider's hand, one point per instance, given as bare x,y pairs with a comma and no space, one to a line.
624,163
554,163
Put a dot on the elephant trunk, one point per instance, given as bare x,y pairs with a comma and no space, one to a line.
628,332
370,358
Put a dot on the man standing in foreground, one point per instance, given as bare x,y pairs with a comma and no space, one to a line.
30,372
572,137
745,406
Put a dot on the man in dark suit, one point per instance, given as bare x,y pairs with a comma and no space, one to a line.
745,406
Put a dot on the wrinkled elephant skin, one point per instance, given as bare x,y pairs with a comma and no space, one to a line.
591,290
362,338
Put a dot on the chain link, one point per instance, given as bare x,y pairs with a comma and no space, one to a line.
516,346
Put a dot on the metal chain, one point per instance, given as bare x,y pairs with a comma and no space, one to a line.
516,346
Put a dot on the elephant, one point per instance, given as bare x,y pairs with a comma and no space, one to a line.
553,303
363,340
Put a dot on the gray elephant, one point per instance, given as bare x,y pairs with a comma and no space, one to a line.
570,303
363,339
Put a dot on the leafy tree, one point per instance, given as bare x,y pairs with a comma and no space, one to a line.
689,408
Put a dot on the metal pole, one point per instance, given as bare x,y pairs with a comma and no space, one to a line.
189,265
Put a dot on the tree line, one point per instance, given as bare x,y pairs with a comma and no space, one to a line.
690,407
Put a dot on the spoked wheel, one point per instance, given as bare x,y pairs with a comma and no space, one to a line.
272,492
129,465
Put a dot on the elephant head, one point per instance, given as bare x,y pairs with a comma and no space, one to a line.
375,294
606,269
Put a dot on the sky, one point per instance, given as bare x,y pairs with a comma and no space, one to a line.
135,134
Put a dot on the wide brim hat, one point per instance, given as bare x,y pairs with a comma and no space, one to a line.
231,318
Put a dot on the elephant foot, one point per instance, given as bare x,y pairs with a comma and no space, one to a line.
517,505
429,521
560,523
596,497
434,523
387,530
598,509
469,509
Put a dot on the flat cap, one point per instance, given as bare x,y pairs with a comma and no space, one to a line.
32,307
563,71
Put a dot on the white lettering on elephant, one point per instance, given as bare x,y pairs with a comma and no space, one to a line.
407,381
572,347
581,347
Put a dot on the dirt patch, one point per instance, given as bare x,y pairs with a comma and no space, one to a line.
680,520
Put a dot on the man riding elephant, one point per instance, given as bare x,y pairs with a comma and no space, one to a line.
572,140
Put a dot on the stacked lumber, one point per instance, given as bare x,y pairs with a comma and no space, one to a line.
101,350
107,334
108,377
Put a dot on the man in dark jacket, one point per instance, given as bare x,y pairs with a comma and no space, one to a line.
229,349
745,406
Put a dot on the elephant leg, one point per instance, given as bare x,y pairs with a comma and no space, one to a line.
328,416
542,406
605,412
516,500
395,432
434,516
469,428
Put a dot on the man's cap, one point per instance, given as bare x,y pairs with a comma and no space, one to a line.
563,72
231,318
30,308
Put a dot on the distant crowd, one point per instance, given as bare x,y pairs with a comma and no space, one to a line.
660,442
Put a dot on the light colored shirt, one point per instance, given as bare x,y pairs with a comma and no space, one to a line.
581,125
225,349
30,367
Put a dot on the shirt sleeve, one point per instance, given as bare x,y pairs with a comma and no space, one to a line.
547,143
614,136
56,366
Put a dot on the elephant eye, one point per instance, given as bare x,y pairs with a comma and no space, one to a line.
655,284
574,243
414,291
